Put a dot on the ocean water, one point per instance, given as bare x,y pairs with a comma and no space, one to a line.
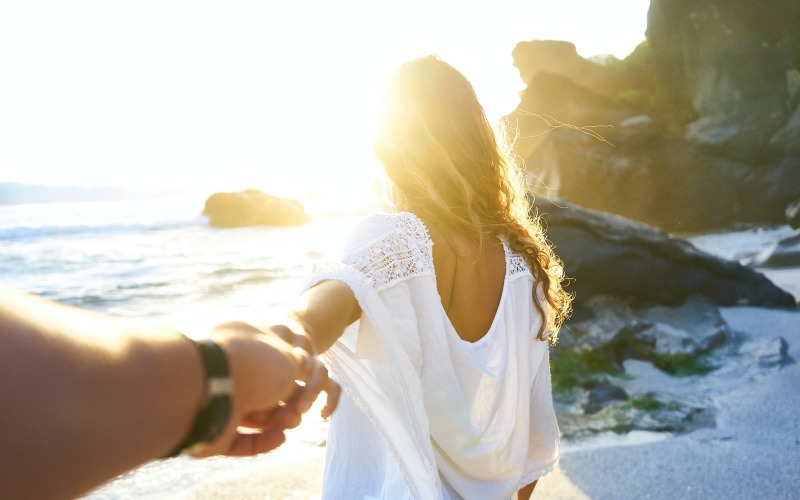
159,259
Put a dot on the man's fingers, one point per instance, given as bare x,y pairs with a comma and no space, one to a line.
246,445
281,418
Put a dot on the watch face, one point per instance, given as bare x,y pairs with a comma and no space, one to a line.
218,386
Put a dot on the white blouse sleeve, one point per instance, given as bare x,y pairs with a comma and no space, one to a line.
372,363
346,268
356,268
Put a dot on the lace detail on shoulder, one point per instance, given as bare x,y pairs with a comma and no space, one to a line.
323,271
396,256
413,224
515,264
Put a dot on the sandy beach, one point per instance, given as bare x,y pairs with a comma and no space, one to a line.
753,452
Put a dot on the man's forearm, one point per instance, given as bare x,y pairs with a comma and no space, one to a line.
84,397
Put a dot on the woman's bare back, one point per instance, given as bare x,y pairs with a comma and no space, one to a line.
470,282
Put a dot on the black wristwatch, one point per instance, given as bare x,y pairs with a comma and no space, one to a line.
215,410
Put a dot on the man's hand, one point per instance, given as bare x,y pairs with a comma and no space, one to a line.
267,399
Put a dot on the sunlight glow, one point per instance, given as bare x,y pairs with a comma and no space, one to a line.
274,96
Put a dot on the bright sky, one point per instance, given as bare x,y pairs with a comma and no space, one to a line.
229,95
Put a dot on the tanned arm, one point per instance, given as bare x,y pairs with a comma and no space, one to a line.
323,312
86,396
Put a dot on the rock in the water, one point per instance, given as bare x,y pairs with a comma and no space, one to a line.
253,208
610,255
784,253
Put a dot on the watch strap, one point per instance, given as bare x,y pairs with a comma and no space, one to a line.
215,410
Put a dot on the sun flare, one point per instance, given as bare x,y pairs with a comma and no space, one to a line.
277,97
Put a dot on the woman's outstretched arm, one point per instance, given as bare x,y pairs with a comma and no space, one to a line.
323,312
314,323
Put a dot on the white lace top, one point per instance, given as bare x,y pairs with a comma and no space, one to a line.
425,414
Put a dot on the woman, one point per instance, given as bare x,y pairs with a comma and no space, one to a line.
437,319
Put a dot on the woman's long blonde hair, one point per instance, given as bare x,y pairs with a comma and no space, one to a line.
442,154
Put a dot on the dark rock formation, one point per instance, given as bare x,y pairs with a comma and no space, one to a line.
600,396
610,255
643,175
701,122
731,62
622,331
769,189
253,208
674,417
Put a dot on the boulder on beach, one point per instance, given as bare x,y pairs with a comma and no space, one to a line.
624,331
253,208
609,255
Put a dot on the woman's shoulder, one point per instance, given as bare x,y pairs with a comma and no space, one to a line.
381,226
388,248
370,228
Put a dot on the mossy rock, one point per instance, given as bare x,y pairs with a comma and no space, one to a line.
645,413
585,369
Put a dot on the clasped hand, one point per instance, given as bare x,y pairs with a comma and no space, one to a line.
277,377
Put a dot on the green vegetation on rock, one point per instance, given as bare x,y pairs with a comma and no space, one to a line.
571,368
682,364
646,402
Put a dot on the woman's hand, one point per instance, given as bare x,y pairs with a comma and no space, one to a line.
317,380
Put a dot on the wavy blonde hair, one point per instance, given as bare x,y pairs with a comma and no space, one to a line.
442,154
